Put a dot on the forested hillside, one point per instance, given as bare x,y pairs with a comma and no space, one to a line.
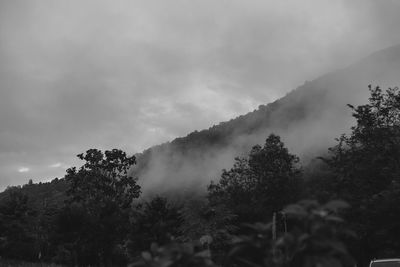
298,197
308,119
266,210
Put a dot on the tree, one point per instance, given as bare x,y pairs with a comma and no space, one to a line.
16,226
103,191
383,230
104,177
263,183
366,165
155,221
315,236
368,159
211,225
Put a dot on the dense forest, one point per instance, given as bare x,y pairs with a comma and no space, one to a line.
266,210
307,119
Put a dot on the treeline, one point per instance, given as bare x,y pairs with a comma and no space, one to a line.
255,214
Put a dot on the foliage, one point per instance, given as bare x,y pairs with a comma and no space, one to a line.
367,169
257,186
381,228
315,237
176,255
17,263
153,221
368,160
17,239
211,225
103,177
200,218
101,196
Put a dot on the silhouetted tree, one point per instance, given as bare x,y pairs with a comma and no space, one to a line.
155,221
366,164
263,183
367,160
102,192
16,227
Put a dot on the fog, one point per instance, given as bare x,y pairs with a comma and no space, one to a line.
132,74
308,120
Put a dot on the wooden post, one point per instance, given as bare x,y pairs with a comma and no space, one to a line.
273,234
274,226
284,221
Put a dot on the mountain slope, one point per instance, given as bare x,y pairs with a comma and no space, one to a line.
308,119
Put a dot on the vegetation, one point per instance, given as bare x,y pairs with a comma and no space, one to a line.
366,165
253,215
263,183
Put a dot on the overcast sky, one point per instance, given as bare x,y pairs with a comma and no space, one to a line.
81,74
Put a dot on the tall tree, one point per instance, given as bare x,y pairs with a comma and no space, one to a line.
366,163
368,159
102,191
263,183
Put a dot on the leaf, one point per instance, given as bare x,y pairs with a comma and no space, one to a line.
188,248
203,254
153,247
165,263
295,210
206,239
333,218
336,205
146,256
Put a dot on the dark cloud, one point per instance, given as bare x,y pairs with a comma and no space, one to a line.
131,74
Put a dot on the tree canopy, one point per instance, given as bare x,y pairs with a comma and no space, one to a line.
368,159
100,198
260,184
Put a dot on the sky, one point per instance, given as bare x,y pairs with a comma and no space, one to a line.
83,74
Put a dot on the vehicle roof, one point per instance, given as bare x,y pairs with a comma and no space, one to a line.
382,260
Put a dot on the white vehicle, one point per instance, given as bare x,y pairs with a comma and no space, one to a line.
385,263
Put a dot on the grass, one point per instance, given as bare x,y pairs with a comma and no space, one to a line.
15,263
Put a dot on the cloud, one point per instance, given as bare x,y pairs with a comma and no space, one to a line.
23,169
130,74
59,165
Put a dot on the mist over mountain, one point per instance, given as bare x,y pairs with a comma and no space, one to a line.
308,119
199,133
